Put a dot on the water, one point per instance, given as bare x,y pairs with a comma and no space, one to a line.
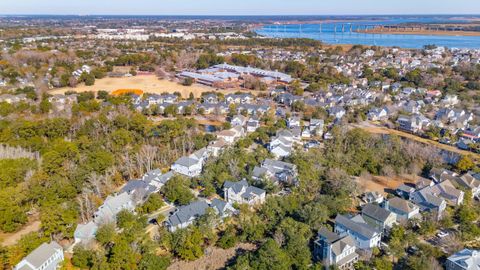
332,33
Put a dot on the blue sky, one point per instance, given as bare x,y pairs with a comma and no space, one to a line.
239,7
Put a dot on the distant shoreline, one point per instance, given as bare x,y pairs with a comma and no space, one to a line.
421,32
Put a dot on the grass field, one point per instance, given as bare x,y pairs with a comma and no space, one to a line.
146,83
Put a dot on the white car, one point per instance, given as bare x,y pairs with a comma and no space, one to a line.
442,234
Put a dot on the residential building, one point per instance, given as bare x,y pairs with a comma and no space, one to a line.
466,259
85,233
45,257
188,166
222,208
364,235
186,215
242,192
112,205
334,250
277,171
373,197
403,209
378,217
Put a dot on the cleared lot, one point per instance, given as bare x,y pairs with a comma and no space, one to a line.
147,83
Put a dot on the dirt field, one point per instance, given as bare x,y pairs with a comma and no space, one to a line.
382,183
147,83
8,239
216,258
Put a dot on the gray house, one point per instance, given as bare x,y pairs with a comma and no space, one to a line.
186,215
380,218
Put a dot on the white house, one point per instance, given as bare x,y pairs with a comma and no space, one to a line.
112,205
45,257
365,236
466,259
238,120
85,233
188,166
241,192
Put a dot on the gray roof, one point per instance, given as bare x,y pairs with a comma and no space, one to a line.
236,186
376,212
86,231
41,254
468,259
259,171
402,205
186,161
187,212
355,226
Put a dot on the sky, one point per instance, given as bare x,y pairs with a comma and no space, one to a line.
238,7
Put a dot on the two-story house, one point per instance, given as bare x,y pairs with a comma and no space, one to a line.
364,235
334,250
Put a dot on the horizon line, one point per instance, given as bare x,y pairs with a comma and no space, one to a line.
247,15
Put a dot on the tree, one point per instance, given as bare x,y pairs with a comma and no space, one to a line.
270,257
45,106
188,81
59,220
106,234
82,257
153,203
177,190
464,164
188,244
153,262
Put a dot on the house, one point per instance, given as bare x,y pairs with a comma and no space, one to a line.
216,147
466,259
238,120
281,145
188,166
468,182
85,233
405,191
377,114
200,155
112,205
338,112
378,217
414,123
253,124
277,171
222,208
364,235
373,197
429,201
45,257
242,192
316,127
293,122
334,250
404,209
231,135
186,215
439,174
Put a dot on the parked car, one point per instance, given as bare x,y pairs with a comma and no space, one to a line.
442,234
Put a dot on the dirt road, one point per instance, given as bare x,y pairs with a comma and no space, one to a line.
12,238
383,130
